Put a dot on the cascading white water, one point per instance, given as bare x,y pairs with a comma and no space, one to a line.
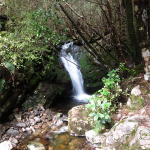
74,72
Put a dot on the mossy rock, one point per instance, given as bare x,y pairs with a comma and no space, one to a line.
135,102
79,121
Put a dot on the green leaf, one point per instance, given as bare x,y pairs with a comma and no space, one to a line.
2,82
92,114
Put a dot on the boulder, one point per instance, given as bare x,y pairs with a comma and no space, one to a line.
130,133
79,121
121,132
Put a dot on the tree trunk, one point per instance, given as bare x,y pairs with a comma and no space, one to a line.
133,40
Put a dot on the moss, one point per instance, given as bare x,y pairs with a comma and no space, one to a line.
143,84
122,121
140,101
133,132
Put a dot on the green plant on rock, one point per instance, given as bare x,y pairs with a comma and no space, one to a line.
104,102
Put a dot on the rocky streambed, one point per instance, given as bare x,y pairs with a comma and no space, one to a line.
39,129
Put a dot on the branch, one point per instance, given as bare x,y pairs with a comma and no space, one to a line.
73,10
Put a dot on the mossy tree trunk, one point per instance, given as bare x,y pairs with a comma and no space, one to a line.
142,16
12,97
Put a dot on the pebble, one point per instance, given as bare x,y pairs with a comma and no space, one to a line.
59,122
31,108
18,117
49,118
47,111
44,126
28,113
13,140
37,119
21,125
119,116
12,131
33,130
36,122
36,112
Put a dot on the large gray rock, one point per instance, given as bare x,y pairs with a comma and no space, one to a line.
126,134
121,132
79,121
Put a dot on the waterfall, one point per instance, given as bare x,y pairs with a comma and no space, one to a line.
74,73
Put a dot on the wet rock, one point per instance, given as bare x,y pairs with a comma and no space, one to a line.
49,118
119,116
32,121
21,125
18,117
61,130
40,107
12,131
13,140
59,122
47,111
29,130
28,113
79,121
36,112
23,129
43,119
58,115
33,130
6,145
37,119
35,145
44,114
44,126
31,108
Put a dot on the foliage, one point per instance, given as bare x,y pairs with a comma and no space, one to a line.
122,69
92,71
29,42
9,66
2,82
104,102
